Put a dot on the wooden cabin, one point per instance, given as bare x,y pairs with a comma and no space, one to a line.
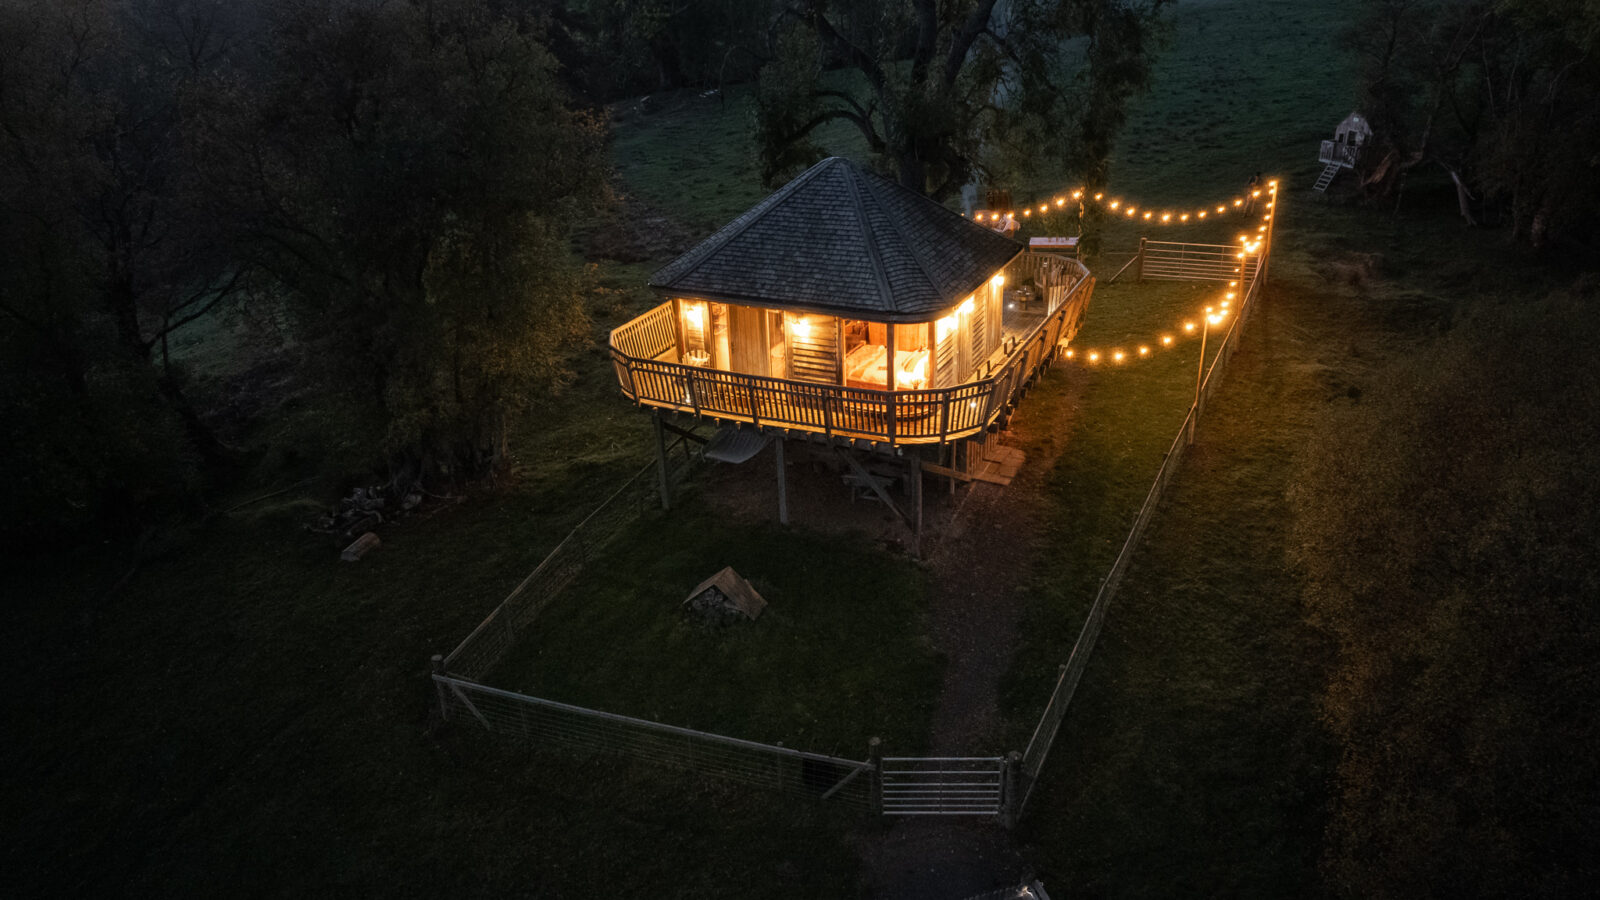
844,308
1349,136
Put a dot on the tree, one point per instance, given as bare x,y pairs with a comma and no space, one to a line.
407,174
945,91
93,432
1499,94
1445,528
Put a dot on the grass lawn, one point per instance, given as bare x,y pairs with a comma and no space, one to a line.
838,656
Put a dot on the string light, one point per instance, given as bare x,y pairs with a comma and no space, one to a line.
1165,217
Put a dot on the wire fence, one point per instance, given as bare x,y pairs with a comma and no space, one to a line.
1199,266
495,635
552,725
547,724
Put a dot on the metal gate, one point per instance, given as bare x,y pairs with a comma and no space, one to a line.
942,786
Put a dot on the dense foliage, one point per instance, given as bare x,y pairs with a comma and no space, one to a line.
396,181
944,92
1446,527
407,172
1498,92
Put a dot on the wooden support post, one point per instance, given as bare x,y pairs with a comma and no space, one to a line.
1138,268
915,474
661,461
875,757
1011,790
438,669
783,489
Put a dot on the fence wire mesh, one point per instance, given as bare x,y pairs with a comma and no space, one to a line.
549,724
495,635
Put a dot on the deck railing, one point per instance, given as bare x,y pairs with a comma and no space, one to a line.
1339,152
926,416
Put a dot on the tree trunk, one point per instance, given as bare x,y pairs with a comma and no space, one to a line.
913,172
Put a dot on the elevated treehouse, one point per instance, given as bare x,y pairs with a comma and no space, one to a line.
845,308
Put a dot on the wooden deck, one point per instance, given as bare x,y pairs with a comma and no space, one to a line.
644,354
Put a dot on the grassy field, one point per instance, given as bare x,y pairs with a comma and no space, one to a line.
838,655
244,715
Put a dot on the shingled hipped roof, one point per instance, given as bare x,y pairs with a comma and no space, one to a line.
842,240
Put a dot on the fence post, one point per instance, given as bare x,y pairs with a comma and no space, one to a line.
1011,787
438,669
1138,267
875,758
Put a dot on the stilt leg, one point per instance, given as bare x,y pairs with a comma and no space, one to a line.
661,462
916,505
783,490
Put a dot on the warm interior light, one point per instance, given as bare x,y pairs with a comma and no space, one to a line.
802,328
965,307
998,281
944,326
694,314
914,376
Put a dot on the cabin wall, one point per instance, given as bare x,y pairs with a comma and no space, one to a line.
830,350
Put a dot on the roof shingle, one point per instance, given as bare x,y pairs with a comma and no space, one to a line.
838,238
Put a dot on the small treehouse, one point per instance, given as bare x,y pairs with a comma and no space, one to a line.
844,309
1344,151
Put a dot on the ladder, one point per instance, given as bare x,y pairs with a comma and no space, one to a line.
1326,178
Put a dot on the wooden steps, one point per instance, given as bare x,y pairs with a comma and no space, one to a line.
1326,178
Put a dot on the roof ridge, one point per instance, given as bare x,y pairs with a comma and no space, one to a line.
869,239
754,214
911,250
